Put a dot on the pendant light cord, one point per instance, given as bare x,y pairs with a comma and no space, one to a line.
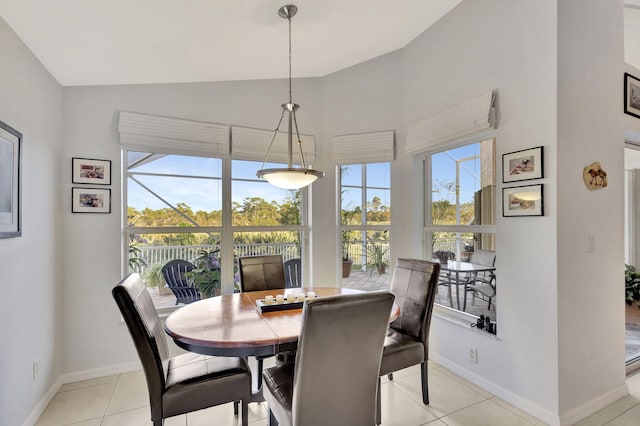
290,91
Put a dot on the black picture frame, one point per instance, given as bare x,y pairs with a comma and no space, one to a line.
90,171
10,181
526,164
90,200
631,95
527,200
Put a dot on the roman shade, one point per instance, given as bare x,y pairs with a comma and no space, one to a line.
360,148
472,117
167,135
248,143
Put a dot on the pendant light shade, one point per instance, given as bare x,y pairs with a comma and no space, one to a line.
289,177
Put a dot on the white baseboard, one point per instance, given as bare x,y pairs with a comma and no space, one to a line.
548,417
77,376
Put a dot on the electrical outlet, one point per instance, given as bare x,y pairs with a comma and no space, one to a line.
473,355
36,368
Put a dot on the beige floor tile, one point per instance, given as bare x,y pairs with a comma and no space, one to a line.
88,383
485,413
634,385
518,412
435,423
594,420
414,370
137,375
128,395
398,410
620,406
628,418
222,415
76,405
92,422
467,383
445,394
137,417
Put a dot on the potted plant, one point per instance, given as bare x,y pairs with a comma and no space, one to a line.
347,263
153,277
206,275
632,293
376,258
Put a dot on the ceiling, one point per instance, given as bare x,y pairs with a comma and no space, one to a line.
97,42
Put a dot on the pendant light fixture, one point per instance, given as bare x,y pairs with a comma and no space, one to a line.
289,177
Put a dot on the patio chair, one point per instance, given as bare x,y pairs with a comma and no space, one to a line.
293,273
484,283
173,273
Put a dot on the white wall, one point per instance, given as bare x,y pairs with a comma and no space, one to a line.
30,277
93,329
590,128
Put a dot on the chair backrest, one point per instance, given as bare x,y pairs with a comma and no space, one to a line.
174,274
414,284
261,273
338,359
148,336
293,273
483,257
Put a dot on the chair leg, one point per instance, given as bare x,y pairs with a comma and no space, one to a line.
390,376
272,419
260,366
235,408
378,408
245,412
425,383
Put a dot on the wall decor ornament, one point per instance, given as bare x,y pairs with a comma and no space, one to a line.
522,165
87,170
631,95
10,181
594,177
523,201
90,200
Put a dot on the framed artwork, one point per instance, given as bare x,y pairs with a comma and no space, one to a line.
90,200
523,201
631,95
10,191
522,165
95,172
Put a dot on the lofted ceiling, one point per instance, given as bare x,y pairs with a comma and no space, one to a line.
100,42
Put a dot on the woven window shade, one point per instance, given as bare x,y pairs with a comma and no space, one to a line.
360,148
166,135
474,116
251,144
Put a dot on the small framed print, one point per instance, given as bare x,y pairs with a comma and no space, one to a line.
523,201
95,172
631,95
10,177
522,165
90,200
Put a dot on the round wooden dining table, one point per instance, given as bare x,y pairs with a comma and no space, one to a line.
234,325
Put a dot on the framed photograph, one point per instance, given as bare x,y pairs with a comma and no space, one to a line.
631,95
523,201
95,172
10,156
522,165
90,200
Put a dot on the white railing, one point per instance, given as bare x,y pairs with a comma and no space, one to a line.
162,254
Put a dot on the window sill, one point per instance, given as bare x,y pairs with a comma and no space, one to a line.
461,319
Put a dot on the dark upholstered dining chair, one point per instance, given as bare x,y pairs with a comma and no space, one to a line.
414,284
173,273
334,378
293,273
261,273
183,383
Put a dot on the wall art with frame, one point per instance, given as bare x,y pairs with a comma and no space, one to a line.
631,95
10,181
523,201
94,172
522,165
90,200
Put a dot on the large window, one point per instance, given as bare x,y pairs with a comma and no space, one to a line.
460,211
365,212
184,207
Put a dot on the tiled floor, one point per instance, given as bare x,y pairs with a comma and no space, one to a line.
122,400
